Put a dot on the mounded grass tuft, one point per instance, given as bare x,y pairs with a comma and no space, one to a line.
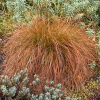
58,50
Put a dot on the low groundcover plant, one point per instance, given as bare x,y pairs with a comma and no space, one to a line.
12,90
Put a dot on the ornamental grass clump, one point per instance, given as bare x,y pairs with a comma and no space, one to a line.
55,49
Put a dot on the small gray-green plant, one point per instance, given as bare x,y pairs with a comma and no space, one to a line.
71,8
15,88
18,10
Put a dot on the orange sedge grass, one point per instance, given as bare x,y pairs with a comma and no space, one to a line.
56,49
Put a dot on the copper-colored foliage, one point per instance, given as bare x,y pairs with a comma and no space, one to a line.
57,50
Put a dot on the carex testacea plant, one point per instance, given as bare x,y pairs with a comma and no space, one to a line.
56,49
